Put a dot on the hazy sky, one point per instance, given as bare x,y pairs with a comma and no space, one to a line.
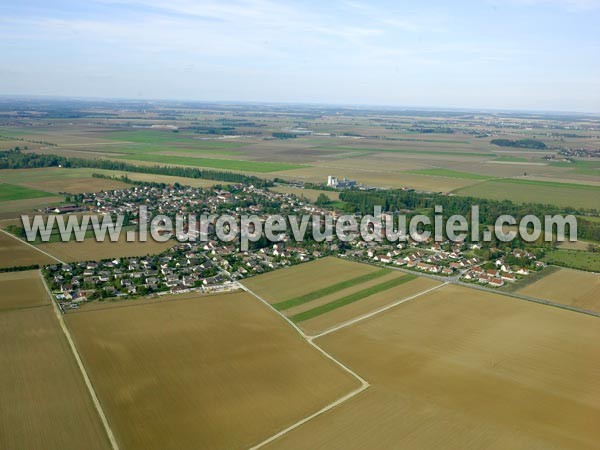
516,54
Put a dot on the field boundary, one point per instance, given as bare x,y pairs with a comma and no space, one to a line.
32,246
82,370
377,311
364,384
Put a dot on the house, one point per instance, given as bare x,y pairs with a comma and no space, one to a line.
383,258
508,276
496,282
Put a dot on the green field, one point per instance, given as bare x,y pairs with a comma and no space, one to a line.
582,167
400,150
575,259
550,184
450,174
227,164
329,290
511,159
148,136
14,192
533,191
309,314
142,150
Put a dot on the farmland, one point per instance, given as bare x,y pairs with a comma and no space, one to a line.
330,300
42,389
569,287
91,250
213,163
238,375
13,192
300,280
449,173
22,290
351,298
522,191
15,253
408,288
55,180
462,369
575,259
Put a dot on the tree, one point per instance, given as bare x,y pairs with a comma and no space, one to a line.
322,200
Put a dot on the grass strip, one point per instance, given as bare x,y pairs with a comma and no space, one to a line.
309,314
286,304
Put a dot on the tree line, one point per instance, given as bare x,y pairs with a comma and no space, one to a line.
489,210
15,159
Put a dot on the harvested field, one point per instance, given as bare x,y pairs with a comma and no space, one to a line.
214,163
462,369
437,172
22,290
302,279
15,253
14,208
43,401
78,180
569,287
366,305
214,372
91,250
54,179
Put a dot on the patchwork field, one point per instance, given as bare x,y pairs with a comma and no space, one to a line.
358,293
43,401
569,287
462,369
22,290
291,282
372,302
14,253
91,250
239,373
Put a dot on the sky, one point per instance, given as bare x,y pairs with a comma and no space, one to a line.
516,54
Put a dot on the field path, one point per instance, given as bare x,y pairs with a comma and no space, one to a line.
32,246
377,311
363,383
310,340
86,378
